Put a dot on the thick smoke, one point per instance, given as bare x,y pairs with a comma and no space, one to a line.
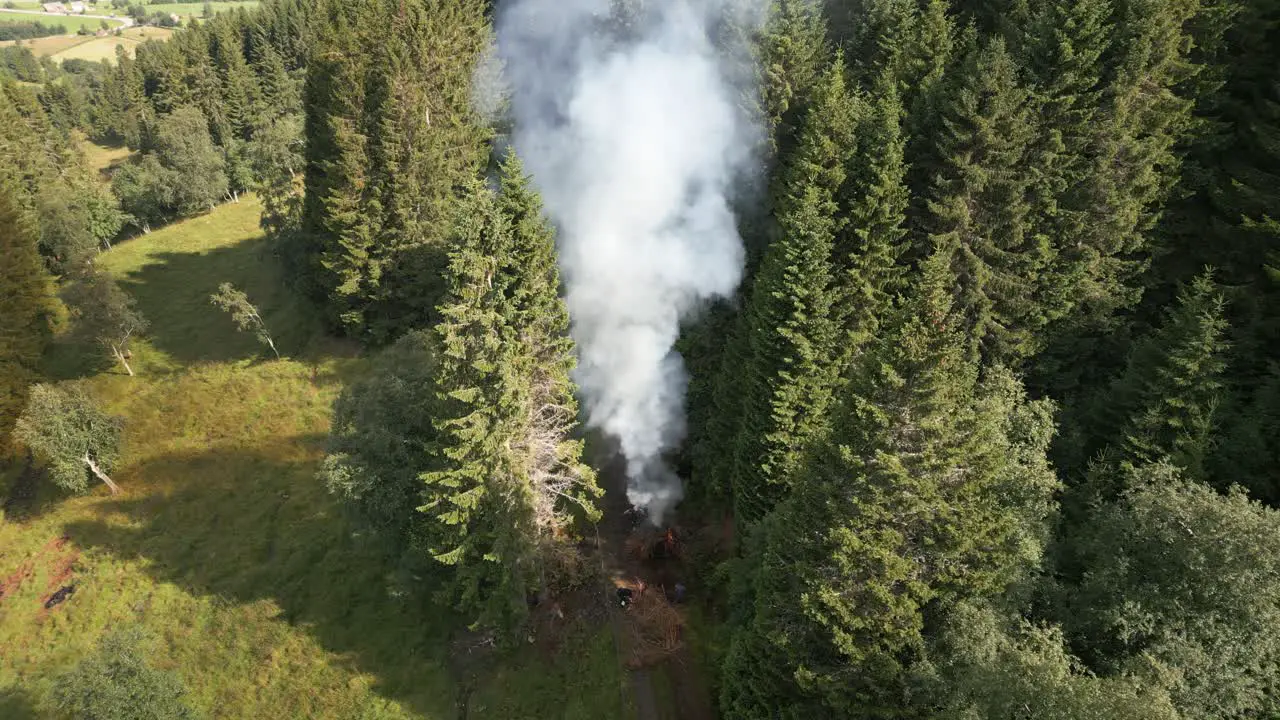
630,125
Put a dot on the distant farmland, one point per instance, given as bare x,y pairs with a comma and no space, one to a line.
63,47
196,9
71,23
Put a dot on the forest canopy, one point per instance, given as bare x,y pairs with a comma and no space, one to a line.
983,407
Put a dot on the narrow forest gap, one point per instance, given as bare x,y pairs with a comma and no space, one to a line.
620,532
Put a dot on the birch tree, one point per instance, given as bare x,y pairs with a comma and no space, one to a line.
66,429
103,313
244,314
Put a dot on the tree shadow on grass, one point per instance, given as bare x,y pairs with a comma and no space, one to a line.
25,490
173,292
247,525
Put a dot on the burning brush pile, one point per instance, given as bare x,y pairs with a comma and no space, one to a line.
654,627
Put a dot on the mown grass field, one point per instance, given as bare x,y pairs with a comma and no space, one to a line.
72,23
196,9
61,47
224,547
104,48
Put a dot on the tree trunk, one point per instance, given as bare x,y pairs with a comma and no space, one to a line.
120,356
93,467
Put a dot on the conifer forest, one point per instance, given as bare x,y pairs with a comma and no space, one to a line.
652,359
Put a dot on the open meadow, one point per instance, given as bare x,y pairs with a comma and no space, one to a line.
224,546
72,23
89,47
196,9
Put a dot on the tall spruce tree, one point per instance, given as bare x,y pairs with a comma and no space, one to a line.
390,139
27,305
792,55
1163,406
481,520
562,485
1145,112
507,477
338,233
933,487
981,204
875,200
1063,47
789,325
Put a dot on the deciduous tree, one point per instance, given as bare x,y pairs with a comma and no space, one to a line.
116,681
67,430
244,314
103,313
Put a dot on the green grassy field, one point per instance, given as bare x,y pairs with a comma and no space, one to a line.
101,159
61,47
196,9
72,23
104,48
224,546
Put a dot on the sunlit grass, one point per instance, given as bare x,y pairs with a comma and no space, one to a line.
256,589
70,23
196,9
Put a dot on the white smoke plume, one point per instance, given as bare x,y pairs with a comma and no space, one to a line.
635,139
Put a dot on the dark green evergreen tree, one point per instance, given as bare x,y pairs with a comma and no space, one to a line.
1164,404
507,478
981,203
933,488
793,53
487,539
27,305
873,240
790,328
390,139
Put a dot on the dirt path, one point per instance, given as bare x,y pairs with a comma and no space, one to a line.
680,673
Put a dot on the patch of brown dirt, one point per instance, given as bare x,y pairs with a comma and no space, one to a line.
61,563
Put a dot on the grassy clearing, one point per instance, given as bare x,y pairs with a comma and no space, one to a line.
102,159
61,47
49,45
104,48
196,9
581,682
96,49
223,545
71,23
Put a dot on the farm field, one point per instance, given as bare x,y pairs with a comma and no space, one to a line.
223,546
62,47
71,22
196,9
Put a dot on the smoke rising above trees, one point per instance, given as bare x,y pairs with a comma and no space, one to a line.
628,119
